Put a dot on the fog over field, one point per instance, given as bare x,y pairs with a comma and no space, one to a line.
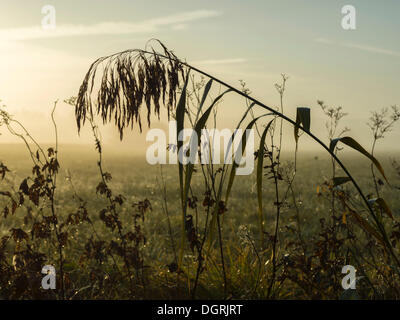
100,99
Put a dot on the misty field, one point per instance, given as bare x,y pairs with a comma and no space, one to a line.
136,180
90,222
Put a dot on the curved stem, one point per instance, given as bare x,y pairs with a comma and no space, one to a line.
281,115
286,118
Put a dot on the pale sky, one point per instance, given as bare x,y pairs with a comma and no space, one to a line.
251,40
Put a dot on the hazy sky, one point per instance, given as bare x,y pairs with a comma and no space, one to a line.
251,40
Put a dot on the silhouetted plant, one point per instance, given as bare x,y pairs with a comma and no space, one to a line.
286,262
120,97
380,123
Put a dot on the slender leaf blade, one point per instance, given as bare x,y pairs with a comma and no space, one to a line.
340,180
356,146
303,118
383,205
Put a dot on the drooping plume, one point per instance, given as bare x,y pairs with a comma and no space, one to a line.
128,80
